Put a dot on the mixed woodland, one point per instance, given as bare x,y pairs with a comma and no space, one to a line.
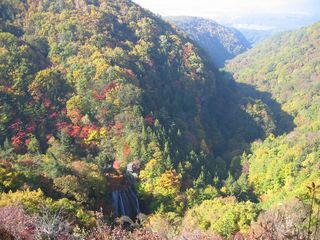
98,95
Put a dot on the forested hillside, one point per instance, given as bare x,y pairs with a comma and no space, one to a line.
280,168
219,42
115,125
281,172
88,87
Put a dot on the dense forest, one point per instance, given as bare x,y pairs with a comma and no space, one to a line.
287,66
115,125
220,43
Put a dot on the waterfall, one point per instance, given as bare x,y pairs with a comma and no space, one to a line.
125,203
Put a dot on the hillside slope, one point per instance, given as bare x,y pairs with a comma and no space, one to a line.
281,172
88,87
105,81
103,102
287,66
219,42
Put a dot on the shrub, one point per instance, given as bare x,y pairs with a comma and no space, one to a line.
136,231
287,221
223,216
9,179
15,223
29,200
33,202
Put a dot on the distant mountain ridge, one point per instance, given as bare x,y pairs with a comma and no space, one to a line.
258,26
219,42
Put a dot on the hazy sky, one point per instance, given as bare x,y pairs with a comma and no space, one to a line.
210,8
